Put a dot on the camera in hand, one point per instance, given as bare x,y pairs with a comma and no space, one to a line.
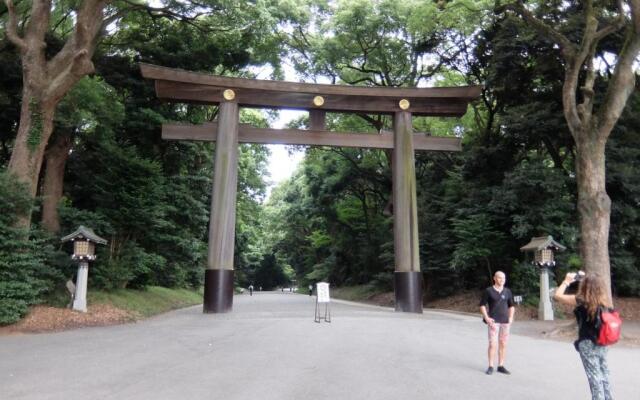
573,286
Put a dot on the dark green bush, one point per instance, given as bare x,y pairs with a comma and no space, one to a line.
26,257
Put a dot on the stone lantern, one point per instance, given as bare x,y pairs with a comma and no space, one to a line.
543,249
84,242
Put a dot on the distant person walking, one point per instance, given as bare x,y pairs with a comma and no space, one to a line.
250,290
590,299
497,310
310,290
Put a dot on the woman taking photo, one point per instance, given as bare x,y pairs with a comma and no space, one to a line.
588,301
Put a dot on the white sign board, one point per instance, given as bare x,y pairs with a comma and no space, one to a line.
322,288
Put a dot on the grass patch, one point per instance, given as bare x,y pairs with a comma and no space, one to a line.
355,293
147,302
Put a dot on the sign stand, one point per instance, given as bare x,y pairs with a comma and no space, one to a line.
322,290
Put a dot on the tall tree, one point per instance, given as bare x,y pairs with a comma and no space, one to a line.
91,103
48,75
590,119
47,80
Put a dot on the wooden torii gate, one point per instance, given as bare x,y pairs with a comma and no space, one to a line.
232,93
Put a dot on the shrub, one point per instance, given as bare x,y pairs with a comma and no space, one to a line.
26,271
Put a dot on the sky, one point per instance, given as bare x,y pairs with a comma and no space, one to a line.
281,163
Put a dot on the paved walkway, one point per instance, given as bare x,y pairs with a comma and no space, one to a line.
563,329
270,348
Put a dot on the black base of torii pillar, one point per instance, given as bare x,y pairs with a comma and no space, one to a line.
407,277
218,278
408,291
218,291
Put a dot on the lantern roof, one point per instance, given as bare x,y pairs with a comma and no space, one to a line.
84,233
541,243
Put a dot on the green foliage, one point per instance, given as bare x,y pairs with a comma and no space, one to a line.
26,258
549,207
13,304
623,186
525,280
626,273
10,92
90,103
476,242
381,43
355,293
250,250
513,180
269,274
150,301
329,215
131,269
138,212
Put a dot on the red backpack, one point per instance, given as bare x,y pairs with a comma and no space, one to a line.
610,326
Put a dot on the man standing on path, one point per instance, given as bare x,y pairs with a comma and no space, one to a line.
497,310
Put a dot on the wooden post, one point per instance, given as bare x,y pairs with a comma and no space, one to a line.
218,279
317,120
408,279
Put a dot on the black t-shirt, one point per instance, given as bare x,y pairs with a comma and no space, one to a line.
588,328
498,303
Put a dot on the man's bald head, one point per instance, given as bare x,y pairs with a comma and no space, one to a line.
499,278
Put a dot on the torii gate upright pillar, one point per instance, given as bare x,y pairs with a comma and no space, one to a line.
218,278
407,276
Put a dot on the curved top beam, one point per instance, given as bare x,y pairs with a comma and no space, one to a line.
177,84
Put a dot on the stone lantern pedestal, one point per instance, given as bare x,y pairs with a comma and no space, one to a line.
543,248
545,309
80,297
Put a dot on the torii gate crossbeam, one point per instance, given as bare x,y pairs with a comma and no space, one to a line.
232,93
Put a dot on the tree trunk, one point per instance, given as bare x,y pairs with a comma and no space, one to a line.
56,158
594,207
36,125
47,81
